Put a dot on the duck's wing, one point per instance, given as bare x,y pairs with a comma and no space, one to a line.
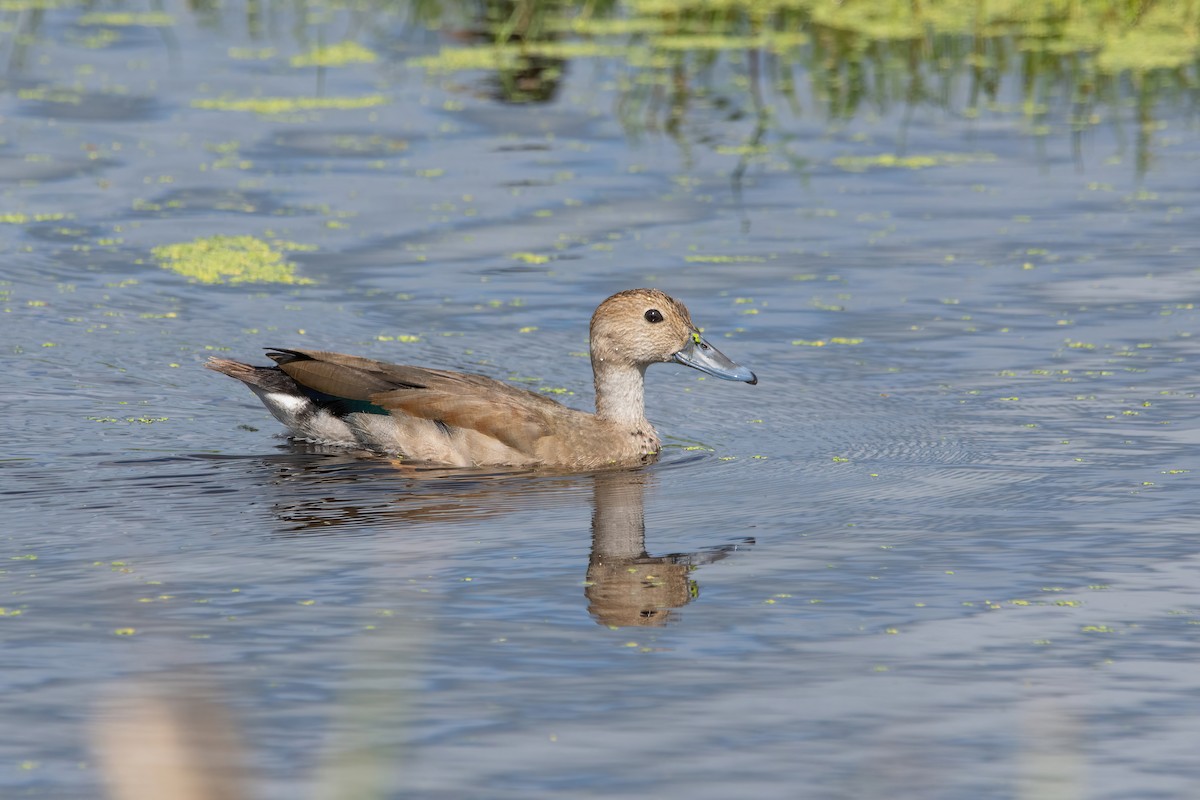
511,415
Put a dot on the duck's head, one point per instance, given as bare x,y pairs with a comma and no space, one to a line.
640,327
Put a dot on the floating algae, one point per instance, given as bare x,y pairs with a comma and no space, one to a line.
231,259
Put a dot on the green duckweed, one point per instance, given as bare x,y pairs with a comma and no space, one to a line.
231,259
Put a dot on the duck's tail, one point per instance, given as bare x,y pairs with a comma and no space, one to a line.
307,417
268,379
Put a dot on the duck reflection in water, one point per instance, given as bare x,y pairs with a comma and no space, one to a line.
624,585
627,586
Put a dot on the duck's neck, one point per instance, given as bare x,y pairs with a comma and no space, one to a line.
620,393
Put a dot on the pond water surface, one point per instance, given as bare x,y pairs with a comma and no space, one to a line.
946,548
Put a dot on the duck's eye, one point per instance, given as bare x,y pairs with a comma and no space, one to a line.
654,315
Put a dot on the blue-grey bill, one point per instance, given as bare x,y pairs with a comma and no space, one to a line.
699,354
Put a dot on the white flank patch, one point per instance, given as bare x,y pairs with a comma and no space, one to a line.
304,420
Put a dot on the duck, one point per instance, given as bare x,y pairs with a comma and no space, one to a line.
461,419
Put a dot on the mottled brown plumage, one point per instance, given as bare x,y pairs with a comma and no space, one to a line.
463,419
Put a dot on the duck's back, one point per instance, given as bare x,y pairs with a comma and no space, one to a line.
429,415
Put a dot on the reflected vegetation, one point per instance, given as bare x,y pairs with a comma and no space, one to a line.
734,76
624,585
752,66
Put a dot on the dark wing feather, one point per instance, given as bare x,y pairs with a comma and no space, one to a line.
515,424
517,417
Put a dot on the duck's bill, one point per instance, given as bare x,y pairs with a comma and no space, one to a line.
699,354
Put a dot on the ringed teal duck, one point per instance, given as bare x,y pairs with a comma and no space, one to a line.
467,420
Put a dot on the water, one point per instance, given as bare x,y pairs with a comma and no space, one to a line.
946,548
